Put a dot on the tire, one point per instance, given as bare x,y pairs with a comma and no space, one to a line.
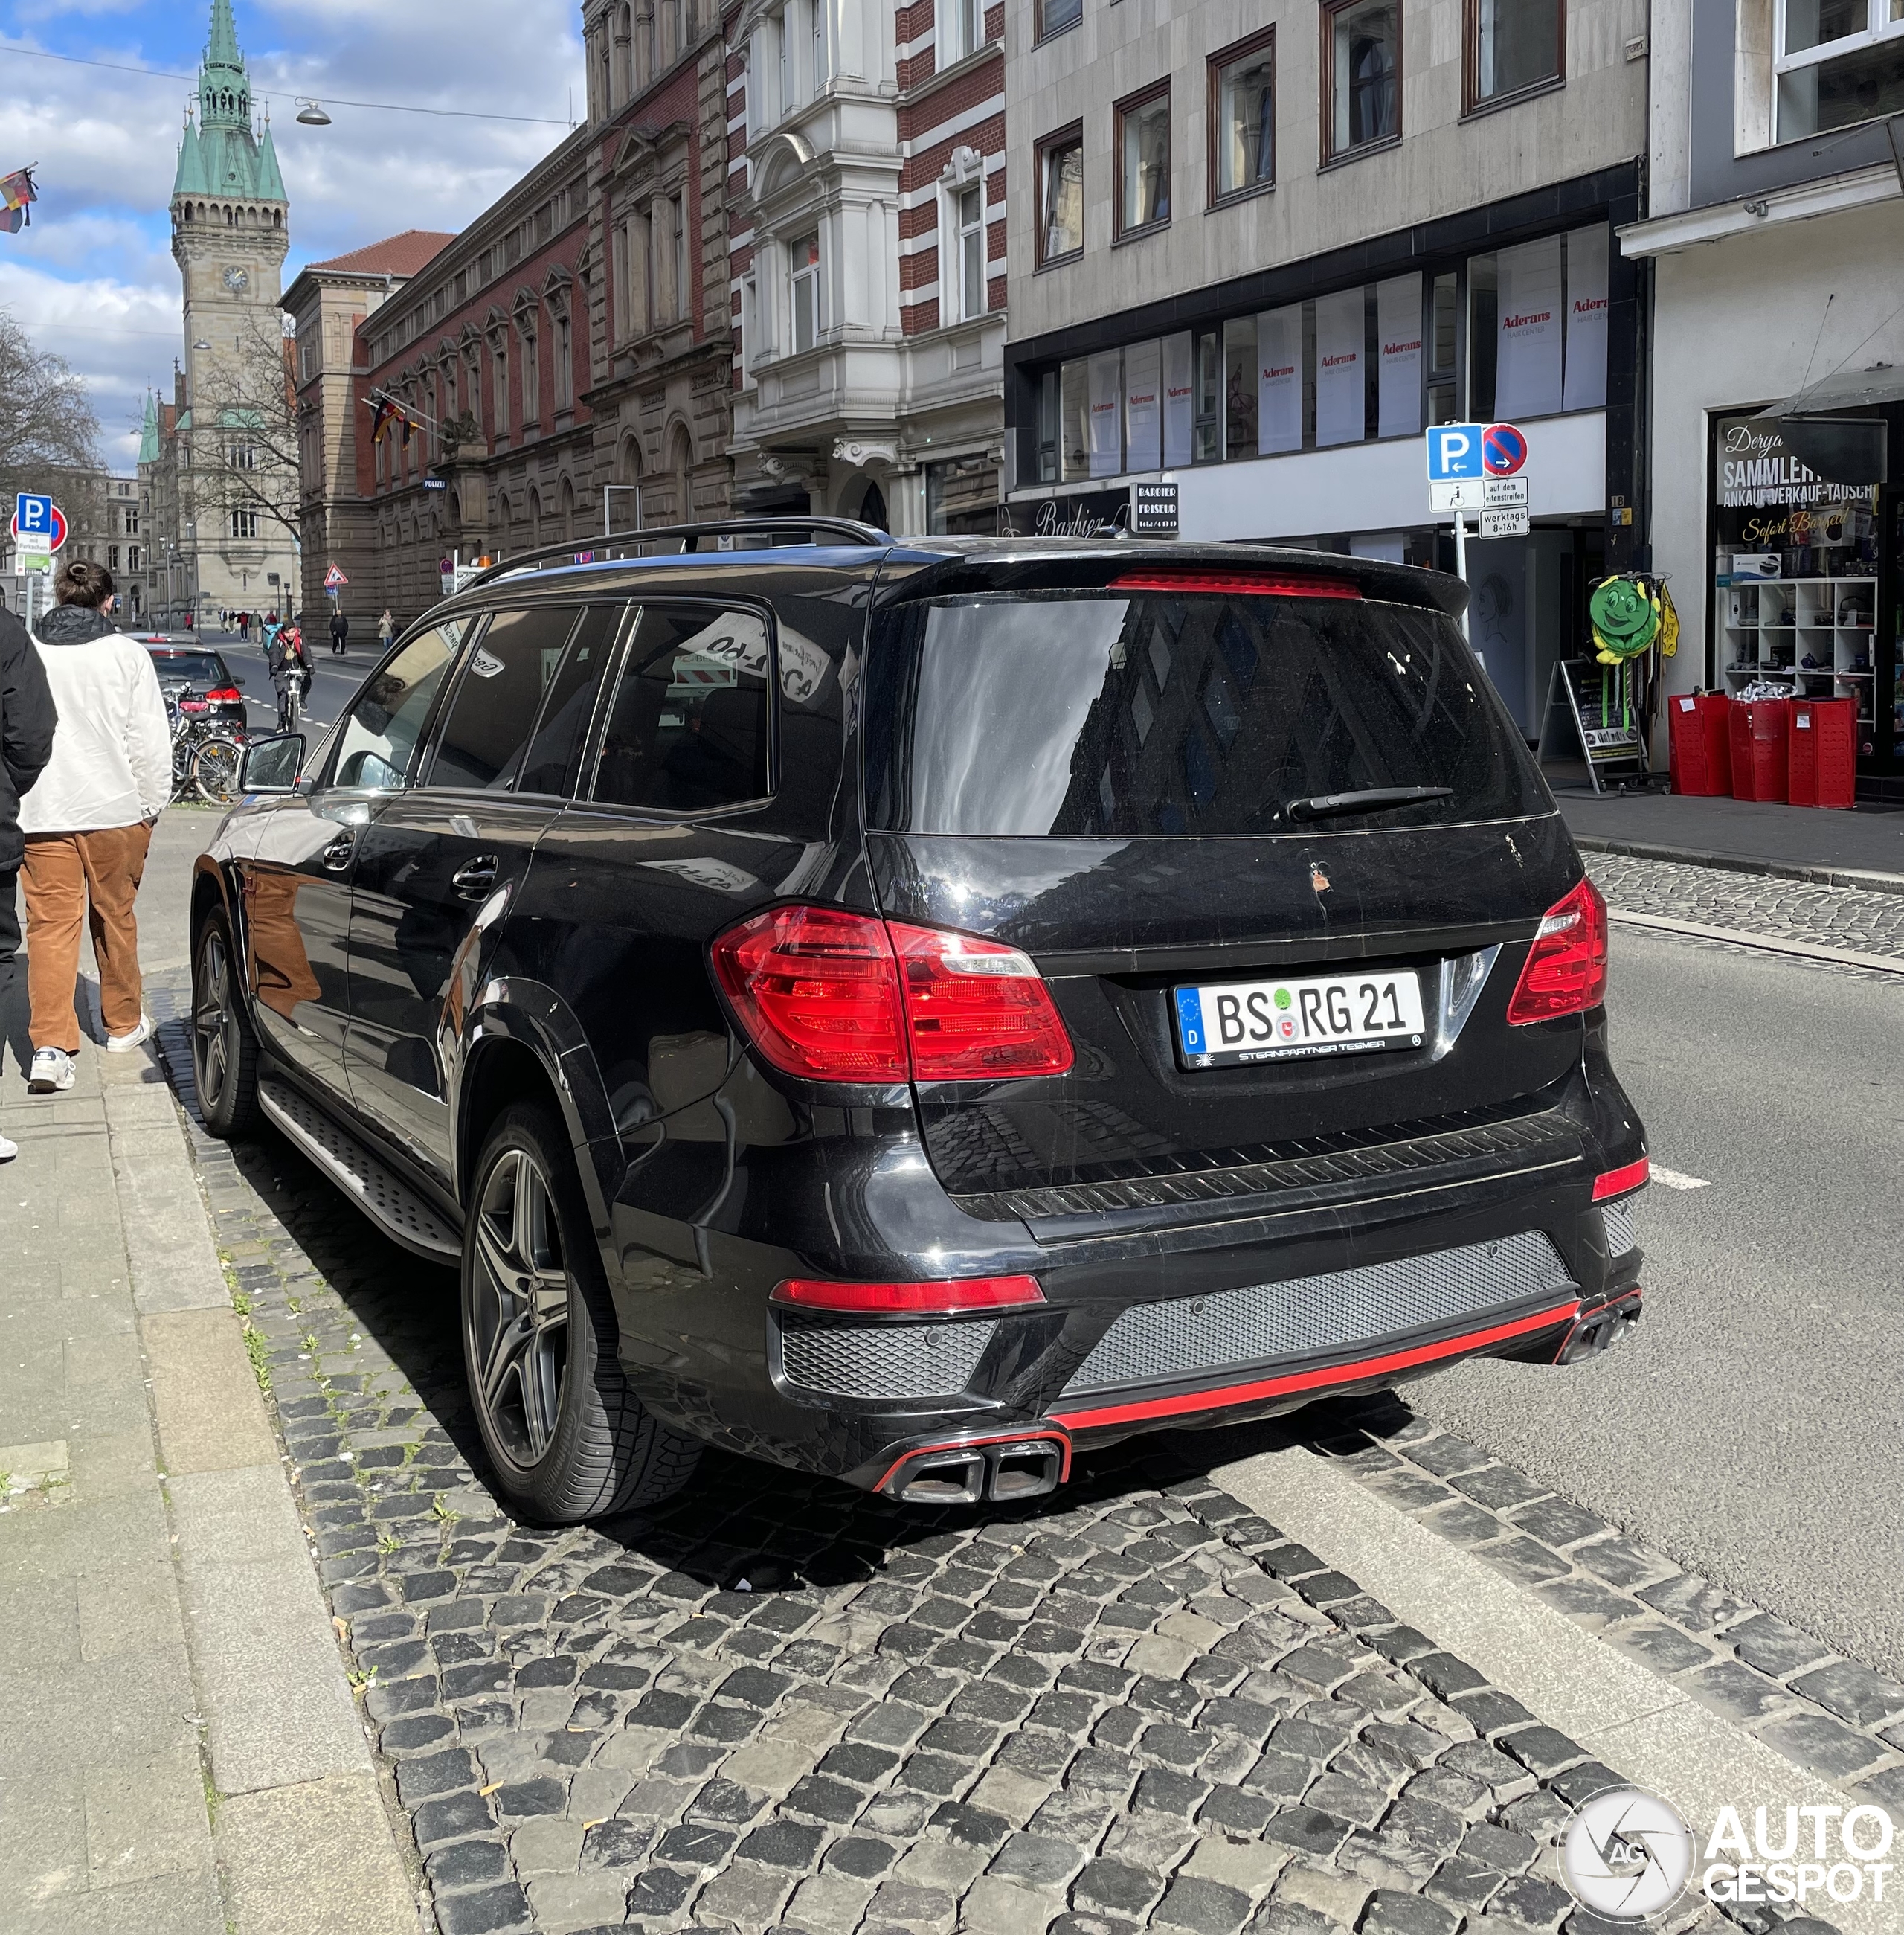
224,1049
215,770
568,1439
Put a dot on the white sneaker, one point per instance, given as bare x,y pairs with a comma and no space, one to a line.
8,1150
52,1072
124,1044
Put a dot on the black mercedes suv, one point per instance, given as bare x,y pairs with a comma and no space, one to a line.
907,1010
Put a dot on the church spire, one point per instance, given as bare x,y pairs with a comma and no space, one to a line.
221,49
224,86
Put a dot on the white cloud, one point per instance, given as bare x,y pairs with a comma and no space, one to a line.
94,277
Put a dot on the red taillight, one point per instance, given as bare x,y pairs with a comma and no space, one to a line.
226,695
194,705
975,1010
1618,1181
838,997
911,1299
818,992
1566,970
1240,584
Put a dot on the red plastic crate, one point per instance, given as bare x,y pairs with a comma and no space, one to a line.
1760,734
1702,750
1822,765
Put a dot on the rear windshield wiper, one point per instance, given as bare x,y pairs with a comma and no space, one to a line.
1370,799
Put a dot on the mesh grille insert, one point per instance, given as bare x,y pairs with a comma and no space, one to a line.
1231,1328
882,1359
1622,1233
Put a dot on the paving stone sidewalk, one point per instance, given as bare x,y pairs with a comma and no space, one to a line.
780,1704
1831,917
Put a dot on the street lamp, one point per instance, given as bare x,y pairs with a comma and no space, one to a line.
312,114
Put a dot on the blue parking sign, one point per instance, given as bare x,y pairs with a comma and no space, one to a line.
1454,452
32,515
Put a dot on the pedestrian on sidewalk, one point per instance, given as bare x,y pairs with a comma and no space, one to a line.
27,719
386,630
88,823
340,633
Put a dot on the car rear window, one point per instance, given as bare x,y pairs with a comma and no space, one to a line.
187,668
1156,712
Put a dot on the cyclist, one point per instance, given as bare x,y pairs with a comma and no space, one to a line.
290,666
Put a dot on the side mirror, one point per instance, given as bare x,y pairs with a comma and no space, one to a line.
239,678
272,765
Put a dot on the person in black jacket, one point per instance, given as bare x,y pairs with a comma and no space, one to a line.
27,720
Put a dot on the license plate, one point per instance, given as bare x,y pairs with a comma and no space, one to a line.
1230,1022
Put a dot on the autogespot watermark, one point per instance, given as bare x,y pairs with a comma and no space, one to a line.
1628,1856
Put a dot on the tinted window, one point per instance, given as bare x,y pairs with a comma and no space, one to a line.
498,696
1081,713
380,736
202,669
688,730
571,700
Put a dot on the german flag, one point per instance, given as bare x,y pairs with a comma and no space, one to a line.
380,422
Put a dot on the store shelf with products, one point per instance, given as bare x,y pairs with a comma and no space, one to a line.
1814,633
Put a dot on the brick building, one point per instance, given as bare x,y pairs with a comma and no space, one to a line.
867,243
327,304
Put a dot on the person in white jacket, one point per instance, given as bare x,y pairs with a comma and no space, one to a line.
88,823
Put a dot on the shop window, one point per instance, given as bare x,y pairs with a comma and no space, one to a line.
1074,407
1061,196
1048,428
803,267
1537,326
1143,155
1837,62
1243,117
1795,571
1055,15
962,498
1443,340
1206,428
1514,46
1362,57
1105,378
1240,384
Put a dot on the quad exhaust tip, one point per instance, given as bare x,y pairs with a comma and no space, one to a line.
964,1474
1601,1331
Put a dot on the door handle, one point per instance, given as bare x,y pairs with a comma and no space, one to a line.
337,855
475,879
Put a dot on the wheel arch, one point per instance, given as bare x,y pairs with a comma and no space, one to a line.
524,1043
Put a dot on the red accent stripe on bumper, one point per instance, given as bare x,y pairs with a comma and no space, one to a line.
1224,1395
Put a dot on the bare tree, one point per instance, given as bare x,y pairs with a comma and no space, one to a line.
48,428
244,434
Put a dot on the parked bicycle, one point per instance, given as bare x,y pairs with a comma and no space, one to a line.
206,756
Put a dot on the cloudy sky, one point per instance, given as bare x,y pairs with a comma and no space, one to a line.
93,278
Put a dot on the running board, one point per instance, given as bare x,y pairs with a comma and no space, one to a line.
396,1208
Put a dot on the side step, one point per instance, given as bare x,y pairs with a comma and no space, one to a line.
392,1204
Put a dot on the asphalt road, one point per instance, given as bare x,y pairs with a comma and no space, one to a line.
1751,1431
333,683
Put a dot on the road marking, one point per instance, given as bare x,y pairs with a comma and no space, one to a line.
1673,1179
1768,944
1645,1728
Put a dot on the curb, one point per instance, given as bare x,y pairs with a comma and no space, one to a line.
1872,883
1768,943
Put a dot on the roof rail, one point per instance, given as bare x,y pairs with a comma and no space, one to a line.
848,530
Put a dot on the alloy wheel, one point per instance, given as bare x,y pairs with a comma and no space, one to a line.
214,1045
518,1308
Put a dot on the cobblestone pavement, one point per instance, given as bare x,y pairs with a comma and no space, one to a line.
780,1704
1847,917
1813,1706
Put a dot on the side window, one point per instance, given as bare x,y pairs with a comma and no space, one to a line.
492,710
570,704
380,736
688,729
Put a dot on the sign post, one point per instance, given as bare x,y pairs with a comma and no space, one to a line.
1477,467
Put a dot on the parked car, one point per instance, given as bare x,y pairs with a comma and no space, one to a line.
215,691
910,1011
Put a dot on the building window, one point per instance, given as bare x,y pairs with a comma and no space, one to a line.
1055,15
532,387
131,521
1243,117
1061,196
962,32
111,557
678,221
244,523
968,211
499,365
1514,46
823,50
1207,400
1362,57
1143,152
803,266
565,363
134,558
1838,62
